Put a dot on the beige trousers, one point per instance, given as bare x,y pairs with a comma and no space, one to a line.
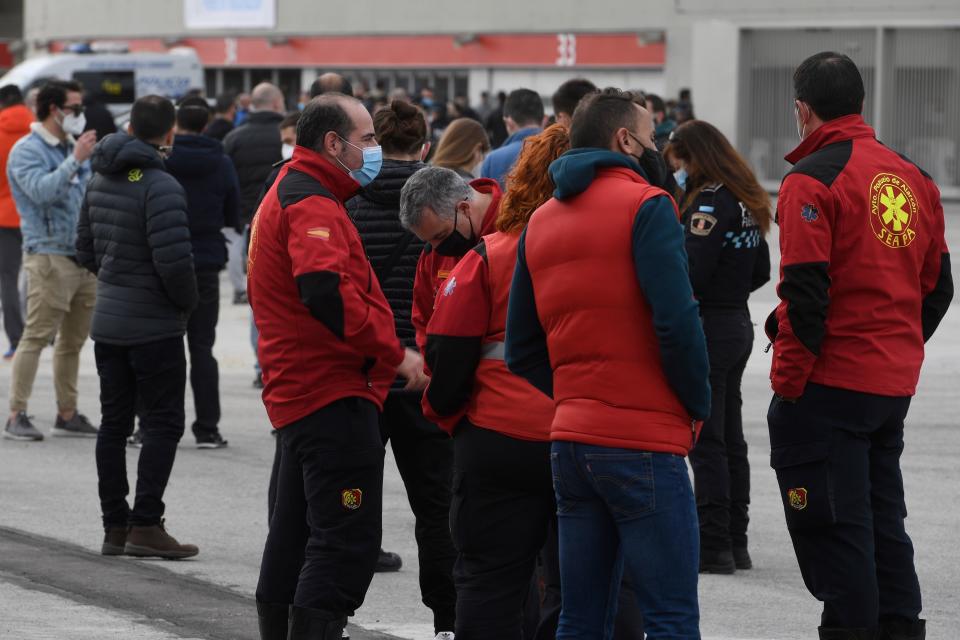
59,303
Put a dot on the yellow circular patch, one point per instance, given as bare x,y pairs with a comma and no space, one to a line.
893,211
135,175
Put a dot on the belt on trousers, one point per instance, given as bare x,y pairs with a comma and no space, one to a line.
493,351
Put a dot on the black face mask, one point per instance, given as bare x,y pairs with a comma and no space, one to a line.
654,166
652,163
456,244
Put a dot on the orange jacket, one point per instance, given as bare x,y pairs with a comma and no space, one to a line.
14,124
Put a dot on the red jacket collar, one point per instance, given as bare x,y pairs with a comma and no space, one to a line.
837,130
492,187
341,185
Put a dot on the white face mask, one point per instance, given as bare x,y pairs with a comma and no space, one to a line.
286,151
74,124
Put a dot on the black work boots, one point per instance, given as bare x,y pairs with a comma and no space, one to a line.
314,624
274,620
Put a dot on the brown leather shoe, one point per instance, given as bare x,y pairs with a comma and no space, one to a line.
155,542
114,540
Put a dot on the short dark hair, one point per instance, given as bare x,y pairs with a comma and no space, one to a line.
54,94
10,95
323,114
401,128
524,106
599,115
656,102
152,117
290,120
831,84
331,83
224,102
193,114
568,96
685,94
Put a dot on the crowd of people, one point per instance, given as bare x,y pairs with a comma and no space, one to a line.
544,317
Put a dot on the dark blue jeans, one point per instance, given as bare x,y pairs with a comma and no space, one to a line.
837,457
637,503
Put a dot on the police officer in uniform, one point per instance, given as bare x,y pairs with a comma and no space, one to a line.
864,282
726,214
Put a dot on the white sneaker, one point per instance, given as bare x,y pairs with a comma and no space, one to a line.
444,635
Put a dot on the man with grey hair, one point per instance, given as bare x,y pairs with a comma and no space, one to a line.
451,216
329,352
253,147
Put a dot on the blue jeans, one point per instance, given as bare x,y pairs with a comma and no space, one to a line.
636,504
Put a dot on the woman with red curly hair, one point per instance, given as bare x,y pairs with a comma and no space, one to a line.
503,500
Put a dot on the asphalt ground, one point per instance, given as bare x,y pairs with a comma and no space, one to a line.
54,584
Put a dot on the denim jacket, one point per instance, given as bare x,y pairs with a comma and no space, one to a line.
47,184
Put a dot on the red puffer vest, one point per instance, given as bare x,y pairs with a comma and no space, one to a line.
608,383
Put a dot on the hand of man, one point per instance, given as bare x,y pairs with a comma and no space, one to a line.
412,369
84,146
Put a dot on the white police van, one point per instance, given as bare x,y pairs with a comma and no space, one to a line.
112,75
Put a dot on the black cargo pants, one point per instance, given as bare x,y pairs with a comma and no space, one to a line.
837,457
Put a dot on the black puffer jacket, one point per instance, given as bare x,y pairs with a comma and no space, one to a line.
134,235
376,212
213,195
254,146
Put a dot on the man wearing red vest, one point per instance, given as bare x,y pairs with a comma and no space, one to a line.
329,353
864,282
603,319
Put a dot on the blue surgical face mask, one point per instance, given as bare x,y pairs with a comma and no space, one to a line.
372,161
680,175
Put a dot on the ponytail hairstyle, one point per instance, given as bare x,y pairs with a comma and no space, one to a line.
401,128
711,159
529,184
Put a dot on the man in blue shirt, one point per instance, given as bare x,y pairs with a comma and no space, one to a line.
48,170
523,116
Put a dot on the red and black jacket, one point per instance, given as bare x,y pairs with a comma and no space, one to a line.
864,272
433,269
326,330
465,350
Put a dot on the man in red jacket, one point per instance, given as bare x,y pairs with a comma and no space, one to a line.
15,120
329,353
864,282
451,216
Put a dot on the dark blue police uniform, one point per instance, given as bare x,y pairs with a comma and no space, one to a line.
728,260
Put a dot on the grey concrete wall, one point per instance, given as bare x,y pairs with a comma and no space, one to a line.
55,19
11,18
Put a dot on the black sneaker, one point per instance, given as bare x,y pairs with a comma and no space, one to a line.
76,427
239,297
211,441
388,561
136,439
258,381
20,428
